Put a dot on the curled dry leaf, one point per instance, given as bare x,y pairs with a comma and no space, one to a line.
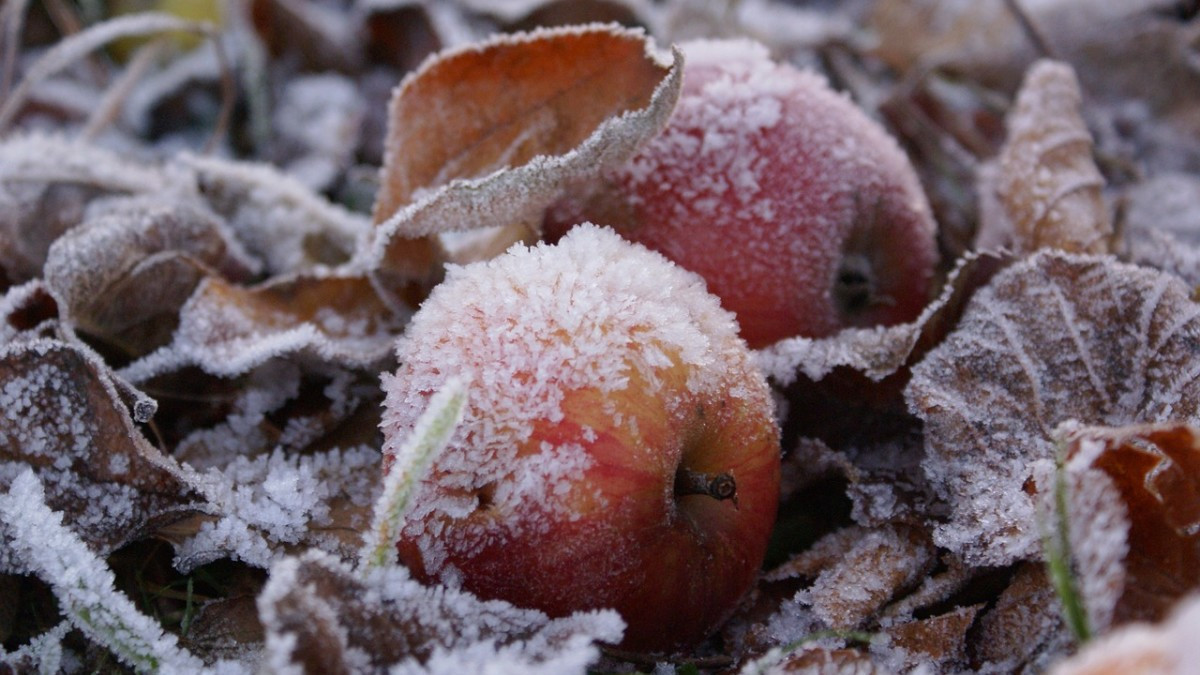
63,416
277,217
879,563
880,352
322,616
1156,473
1133,49
487,137
229,330
46,185
125,274
1048,183
1054,338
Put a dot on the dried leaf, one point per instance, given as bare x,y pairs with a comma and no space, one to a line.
1161,224
489,135
47,183
1156,470
1024,628
939,640
63,415
1057,337
277,218
879,352
125,274
1168,648
1048,183
229,330
323,617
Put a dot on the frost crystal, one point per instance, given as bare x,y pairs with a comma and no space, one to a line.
1058,337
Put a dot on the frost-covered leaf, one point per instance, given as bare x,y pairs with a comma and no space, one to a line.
83,584
25,309
229,330
881,351
62,415
1168,648
1024,626
1057,337
1156,474
487,137
317,124
46,184
1161,224
856,571
278,218
124,274
321,616
292,460
1047,181
939,639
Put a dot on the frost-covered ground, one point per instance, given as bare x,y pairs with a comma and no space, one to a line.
215,224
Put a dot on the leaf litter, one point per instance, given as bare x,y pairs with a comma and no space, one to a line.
191,338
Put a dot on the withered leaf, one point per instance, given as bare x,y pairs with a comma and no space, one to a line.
322,617
1054,338
880,352
63,416
1048,182
125,274
277,218
1024,627
937,639
228,330
878,563
46,185
1156,470
1169,647
488,136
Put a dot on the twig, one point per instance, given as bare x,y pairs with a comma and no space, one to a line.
137,66
1040,44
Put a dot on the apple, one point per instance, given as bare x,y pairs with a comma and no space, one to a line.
801,213
619,448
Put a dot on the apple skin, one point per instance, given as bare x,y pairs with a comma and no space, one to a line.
574,505
802,214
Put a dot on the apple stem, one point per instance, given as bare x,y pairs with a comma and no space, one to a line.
720,487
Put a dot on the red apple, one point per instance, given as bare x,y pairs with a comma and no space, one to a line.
619,448
801,213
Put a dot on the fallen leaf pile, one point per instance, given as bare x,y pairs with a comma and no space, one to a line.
214,228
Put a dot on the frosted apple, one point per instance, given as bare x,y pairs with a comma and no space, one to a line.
801,213
619,449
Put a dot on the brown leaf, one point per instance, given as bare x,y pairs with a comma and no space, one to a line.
229,330
1057,337
1024,628
63,416
124,275
1048,183
877,563
46,184
316,611
487,137
877,353
938,639
1157,472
